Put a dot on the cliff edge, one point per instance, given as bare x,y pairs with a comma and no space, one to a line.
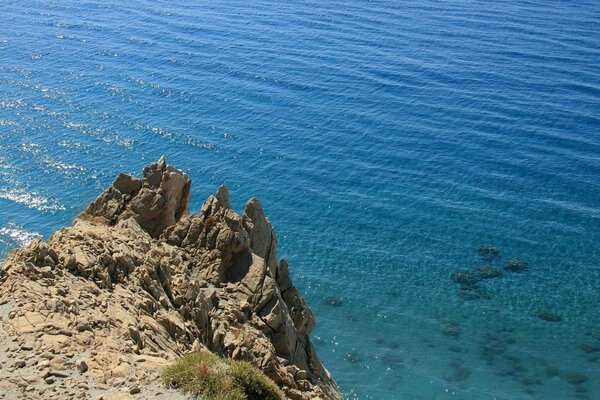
136,282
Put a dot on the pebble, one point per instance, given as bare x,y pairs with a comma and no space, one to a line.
82,367
59,374
57,363
135,390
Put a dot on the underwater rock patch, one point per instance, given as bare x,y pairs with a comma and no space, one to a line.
495,344
393,345
489,252
548,316
530,380
466,278
392,360
457,373
473,294
351,318
576,378
589,348
353,357
516,265
333,301
451,329
489,272
455,349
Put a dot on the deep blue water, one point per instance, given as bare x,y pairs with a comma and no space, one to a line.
388,140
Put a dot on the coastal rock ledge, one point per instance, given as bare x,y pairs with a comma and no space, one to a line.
136,282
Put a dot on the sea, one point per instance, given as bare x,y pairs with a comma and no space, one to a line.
387,140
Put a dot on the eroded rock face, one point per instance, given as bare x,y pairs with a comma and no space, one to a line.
137,277
155,202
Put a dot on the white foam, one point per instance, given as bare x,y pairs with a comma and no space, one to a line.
7,122
31,200
18,235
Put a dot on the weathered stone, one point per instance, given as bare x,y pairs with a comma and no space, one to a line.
82,367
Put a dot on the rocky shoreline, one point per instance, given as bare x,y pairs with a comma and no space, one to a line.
136,282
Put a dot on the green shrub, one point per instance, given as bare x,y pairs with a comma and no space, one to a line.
210,377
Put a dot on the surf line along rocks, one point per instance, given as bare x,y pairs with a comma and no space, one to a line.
138,281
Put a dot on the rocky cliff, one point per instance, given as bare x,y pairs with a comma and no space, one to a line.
138,281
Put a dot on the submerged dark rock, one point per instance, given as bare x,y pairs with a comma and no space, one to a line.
529,380
489,272
392,359
455,349
516,265
475,293
488,252
393,345
576,378
469,281
494,345
451,329
465,278
353,357
333,301
589,348
457,372
548,316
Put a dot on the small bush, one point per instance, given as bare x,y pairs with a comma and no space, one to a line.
210,377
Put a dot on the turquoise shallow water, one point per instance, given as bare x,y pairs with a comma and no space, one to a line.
387,140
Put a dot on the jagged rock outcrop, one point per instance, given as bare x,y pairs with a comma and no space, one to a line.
138,281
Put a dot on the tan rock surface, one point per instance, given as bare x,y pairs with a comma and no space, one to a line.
101,307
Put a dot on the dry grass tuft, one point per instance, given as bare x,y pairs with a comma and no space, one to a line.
210,377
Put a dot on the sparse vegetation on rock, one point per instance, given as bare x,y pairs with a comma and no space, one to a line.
208,376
